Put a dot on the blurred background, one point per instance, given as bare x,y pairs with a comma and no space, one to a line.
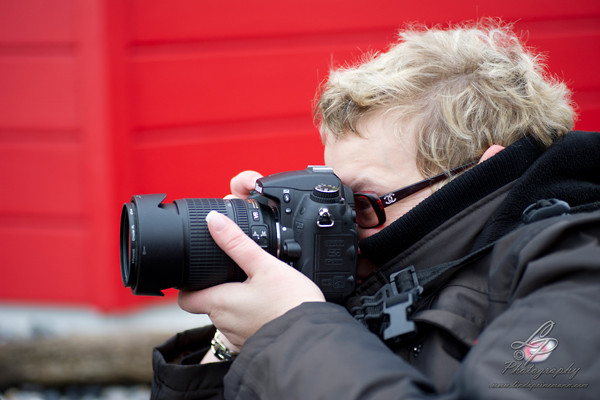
103,99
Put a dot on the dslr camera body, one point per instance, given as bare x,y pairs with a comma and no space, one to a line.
305,218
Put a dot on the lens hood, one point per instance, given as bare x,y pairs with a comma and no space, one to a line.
152,245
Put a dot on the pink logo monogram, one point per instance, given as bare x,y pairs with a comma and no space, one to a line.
537,347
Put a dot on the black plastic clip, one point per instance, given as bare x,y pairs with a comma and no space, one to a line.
545,208
399,306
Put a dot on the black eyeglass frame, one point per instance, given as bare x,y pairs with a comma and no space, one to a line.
379,203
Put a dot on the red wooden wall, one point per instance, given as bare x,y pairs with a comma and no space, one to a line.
101,99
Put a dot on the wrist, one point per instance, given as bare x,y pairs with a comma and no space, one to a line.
220,349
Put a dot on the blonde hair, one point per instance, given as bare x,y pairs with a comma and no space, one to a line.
463,89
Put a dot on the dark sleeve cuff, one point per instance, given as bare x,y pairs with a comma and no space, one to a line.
177,372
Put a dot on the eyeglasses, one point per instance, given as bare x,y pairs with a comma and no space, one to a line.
370,207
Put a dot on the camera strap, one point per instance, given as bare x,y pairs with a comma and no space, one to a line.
387,313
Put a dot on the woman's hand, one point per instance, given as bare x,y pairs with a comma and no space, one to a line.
273,287
239,309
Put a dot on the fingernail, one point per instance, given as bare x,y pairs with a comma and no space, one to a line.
216,220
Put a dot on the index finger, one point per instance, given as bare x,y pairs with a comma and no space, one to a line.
244,251
243,183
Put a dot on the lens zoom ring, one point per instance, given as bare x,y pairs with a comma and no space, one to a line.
207,262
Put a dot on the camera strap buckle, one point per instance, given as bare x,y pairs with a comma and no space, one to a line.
386,313
406,290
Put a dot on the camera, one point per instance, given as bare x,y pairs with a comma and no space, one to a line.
305,218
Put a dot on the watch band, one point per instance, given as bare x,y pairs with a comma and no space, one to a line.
220,350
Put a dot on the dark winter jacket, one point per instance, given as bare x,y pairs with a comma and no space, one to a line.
536,289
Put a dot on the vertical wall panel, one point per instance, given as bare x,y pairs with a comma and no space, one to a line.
42,222
100,40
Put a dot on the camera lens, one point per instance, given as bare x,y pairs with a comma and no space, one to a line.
169,245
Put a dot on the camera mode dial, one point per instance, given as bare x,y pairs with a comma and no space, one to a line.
324,193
